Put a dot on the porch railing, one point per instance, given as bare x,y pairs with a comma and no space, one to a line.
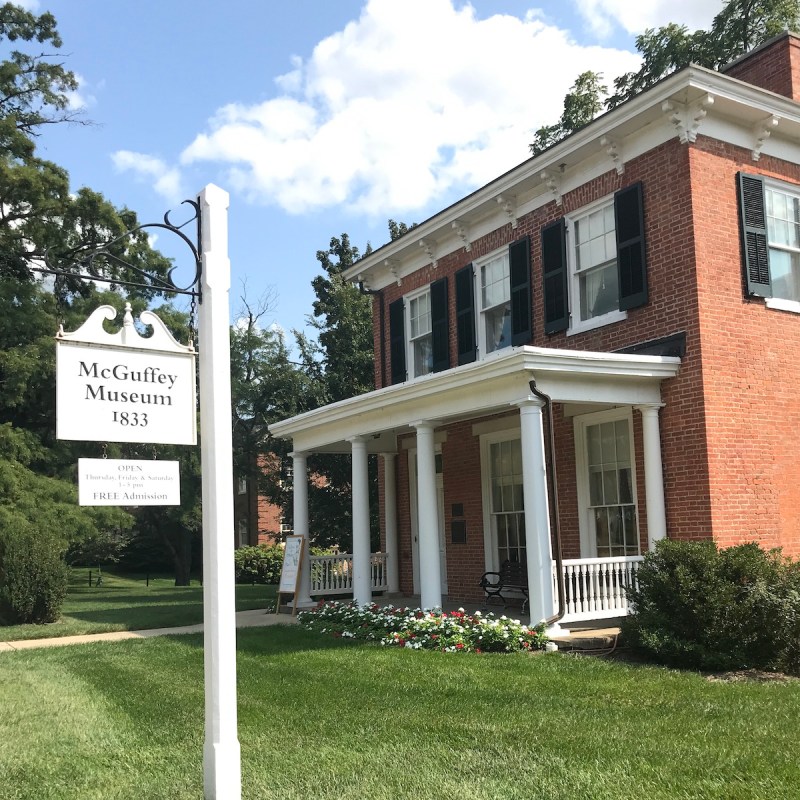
332,575
596,588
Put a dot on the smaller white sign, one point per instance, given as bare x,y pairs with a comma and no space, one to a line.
126,482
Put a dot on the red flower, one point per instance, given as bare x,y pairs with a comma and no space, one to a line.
459,646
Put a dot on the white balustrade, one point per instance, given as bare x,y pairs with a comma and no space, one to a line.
596,587
331,575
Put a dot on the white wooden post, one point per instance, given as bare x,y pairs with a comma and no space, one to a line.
537,513
222,772
430,572
653,474
362,572
300,525
390,522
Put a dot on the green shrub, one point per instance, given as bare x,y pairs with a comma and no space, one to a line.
261,564
701,607
33,578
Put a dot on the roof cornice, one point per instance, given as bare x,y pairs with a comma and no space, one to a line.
684,98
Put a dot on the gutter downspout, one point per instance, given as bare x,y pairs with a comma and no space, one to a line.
382,317
555,519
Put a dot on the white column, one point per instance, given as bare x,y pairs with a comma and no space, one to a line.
362,577
653,474
430,575
390,522
300,525
222,774
537,513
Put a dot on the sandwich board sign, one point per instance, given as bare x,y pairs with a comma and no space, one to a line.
123,387
293,553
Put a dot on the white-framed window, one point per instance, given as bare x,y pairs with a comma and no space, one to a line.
503,504
606,480
242,486
242,529
592,256
420,337
286,528
782,203
494,303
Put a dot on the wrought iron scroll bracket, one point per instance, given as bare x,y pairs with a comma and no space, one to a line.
94,265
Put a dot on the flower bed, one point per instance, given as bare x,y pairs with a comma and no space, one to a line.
451,632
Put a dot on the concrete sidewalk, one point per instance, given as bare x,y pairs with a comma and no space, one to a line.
244,619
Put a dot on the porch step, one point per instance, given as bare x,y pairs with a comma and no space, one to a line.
588,640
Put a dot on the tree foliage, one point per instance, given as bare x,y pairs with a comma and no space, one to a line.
740,26
43,219
581,105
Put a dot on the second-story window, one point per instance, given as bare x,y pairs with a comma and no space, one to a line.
593,263
495,299
595,283
420,338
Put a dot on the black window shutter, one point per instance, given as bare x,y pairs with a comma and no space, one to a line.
465,316
631,264
519,257
554,268
753,220
397,341
440,339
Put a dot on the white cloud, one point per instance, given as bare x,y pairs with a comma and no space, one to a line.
603,16
80,99
166,180
397,108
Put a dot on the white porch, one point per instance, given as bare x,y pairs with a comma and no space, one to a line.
595,587
372,424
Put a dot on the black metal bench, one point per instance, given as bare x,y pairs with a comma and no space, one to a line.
513,576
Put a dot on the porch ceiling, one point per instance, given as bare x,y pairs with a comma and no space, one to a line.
479,389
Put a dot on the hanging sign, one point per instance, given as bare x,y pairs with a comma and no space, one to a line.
123,387
126,482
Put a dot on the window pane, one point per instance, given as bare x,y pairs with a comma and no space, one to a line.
610,486
631,542
608,442
599,290
784,267
595,487
423,356
497,324
593,443
625,488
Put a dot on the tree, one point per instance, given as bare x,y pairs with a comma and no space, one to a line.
581,105
41,220
740,26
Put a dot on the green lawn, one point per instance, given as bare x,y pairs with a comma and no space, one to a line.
322,719
125,603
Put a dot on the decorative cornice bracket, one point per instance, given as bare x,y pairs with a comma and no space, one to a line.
611,147
761,132
686,119
393,266
509,206
462,229
430,251
552,183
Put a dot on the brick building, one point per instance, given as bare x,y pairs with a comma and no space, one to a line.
637,284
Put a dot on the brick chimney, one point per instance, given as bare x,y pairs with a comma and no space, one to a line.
773,65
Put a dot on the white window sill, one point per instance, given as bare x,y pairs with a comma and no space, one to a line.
597,322
782,305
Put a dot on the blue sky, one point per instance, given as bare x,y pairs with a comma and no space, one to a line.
321,117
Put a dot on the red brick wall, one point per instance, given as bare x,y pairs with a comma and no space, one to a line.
752,385
672,308
774,66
